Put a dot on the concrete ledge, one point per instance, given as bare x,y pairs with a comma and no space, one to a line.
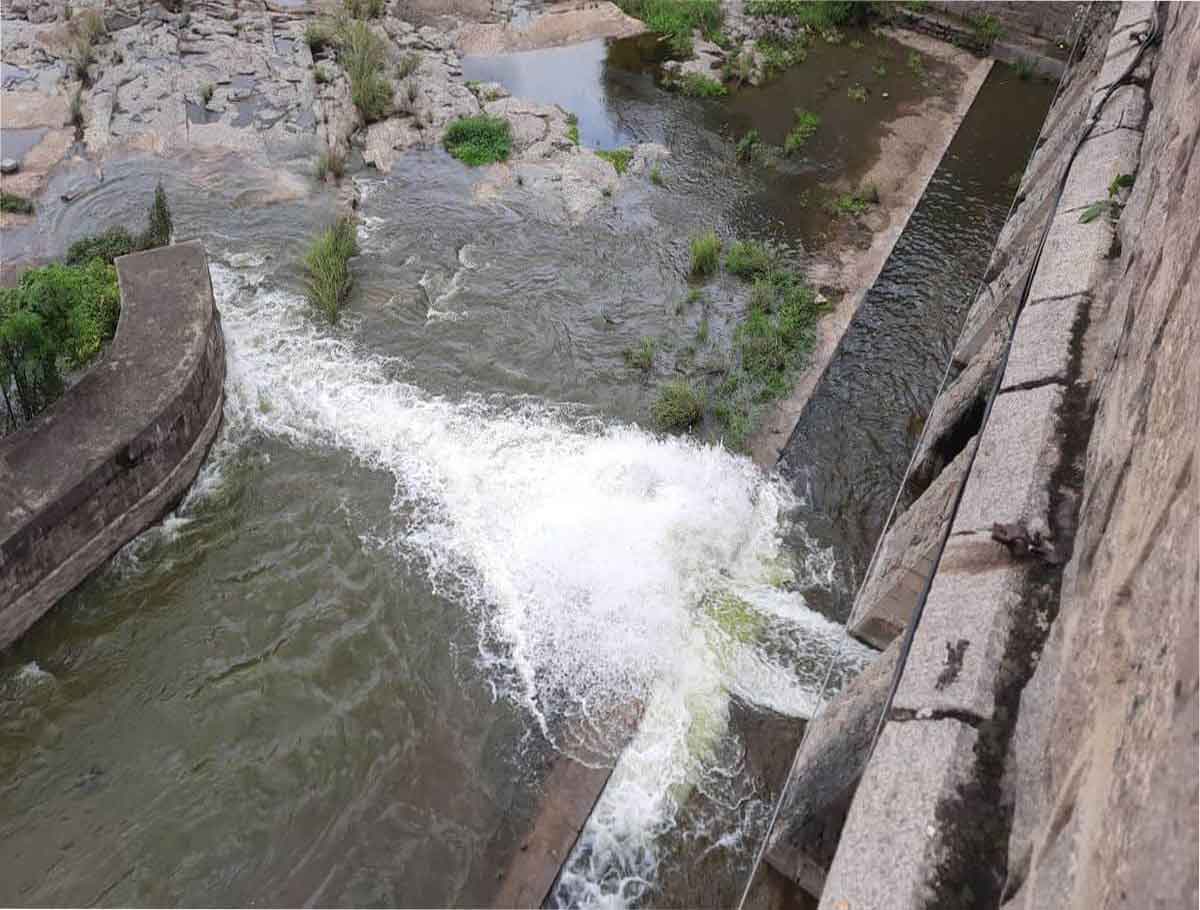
957,652
1073,259
1041,348
122,446
1010,480
1100,159
893,842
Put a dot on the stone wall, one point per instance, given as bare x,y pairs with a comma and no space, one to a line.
1041,750
120,447
1052,20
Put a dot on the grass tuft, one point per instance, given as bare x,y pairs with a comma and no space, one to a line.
641,356
806,124
697,85
330,162
573,128
206,93
327,267
363,55
479,140
14,204
749,146
409,64
365,9
749,259
677,19
618,158
857,93
656,176
678,407
706,253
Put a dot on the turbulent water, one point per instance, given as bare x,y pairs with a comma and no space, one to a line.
610,570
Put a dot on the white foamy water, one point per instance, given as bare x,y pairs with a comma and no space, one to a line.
613,572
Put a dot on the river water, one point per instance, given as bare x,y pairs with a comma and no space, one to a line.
434,547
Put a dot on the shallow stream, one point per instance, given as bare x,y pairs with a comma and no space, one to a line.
434,547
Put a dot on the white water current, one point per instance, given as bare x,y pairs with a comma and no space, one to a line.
615,574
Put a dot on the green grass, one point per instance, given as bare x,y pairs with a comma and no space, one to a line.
804,128
618,158
677,19
748,146
573,128
857,93
702,331
641,356
363,55
916,64
327,267
817,14
318,35
1024,68
678,407
853,204
206,93
986,29
749,259
697,85
409,64
479,140
779,53
321,76
656,176
14,204
706,253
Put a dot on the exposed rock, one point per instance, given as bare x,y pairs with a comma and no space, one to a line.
563,23
706,62
9,166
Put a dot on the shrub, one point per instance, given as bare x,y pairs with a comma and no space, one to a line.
363,55
618,158
114,242
987,29
318,36
479,140
159,230
677,19
818,14
697,85
706,253
748,259
14,204
806,124
678,407
327,267
641,356
748,146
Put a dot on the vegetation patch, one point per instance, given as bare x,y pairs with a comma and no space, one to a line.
804,128
749,259
697,85
677,19
573,128
853,203
618,158
59,316
330,163
706,253
318,36
816,14
365,9
409,64
1112,206
986,30
749,146
916,64
14,204
363,55
641,356
780,53
656,176
678,407
327,267
479,140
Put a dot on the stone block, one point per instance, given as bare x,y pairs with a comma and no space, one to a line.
1073,259
1010,480
957,652
893,841
1041,349
1127,108
1100,159
827,773
1133,14
1122,50
890,593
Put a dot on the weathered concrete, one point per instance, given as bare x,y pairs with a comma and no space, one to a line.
889,594
826,776
1041,347
917,767
121,446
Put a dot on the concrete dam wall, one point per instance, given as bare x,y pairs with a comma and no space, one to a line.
1041,746
121,446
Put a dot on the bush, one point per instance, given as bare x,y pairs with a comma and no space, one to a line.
987,29
618,158
706,253
114,242
778,53
159,230
363,55
748,259
677,407
479,140
818,14
318,36
697,85
14,204
677,19
327,267
805,127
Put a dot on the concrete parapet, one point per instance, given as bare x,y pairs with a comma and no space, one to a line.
121,446
894,841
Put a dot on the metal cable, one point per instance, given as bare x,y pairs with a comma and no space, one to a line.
910,631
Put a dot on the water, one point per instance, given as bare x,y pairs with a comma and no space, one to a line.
431,550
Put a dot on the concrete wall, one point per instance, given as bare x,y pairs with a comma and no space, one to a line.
1042,747
1052,20
119,448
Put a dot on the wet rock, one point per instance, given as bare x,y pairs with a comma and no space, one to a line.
9,166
